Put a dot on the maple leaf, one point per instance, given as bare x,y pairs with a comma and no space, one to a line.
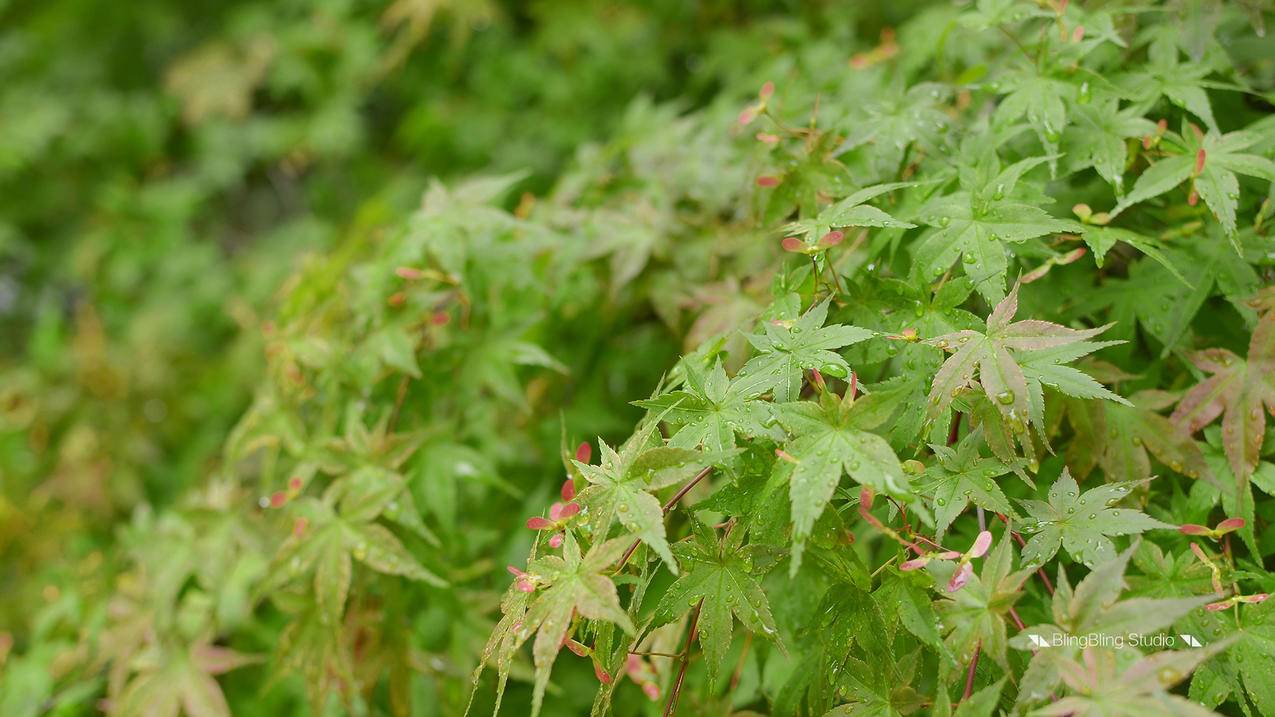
1092,608
172,684
1096,138
619,487
1081,522
1211,161
341,528
975,615
975,226
1243,670
789,346
1237,390
830,439
567,585
1120,438
848,212
997,357
720,577
1104,686
960,477
710,411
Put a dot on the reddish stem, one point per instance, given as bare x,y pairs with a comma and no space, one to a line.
681,670
681,493
969,674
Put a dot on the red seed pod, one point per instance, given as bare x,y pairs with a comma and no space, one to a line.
1078,34
584,452
538,523
1230,525
793,244
278,498
601,674
440,318
766,91
294,483
767,138
767,180
1193,529
568,489
1199,161
832,238
409,273
1193,198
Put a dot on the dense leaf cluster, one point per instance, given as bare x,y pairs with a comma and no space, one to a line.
923,367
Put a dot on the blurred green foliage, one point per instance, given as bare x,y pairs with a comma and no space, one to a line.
305,304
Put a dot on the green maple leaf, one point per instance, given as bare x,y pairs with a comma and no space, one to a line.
1096,138
182,683
1223,158
619,487
1164,75
977,225
976,614
720,577
848,212
1237,390
960,477
1081,522
830,439
789,346
570,584
998,357
710,411
1092,608
1243,671
342,528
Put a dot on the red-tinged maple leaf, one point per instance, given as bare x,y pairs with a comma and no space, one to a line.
1237,390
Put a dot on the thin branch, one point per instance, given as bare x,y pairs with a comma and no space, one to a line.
681,493
681,670
969,674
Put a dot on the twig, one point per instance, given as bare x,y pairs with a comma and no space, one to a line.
681,493
969,674
686,654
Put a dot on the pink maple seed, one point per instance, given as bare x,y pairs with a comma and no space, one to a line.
914,564
1219,606
1199,161
584,452
960,577
817,379
1230,525
409,273
556,541
577,648
832,238
1078,34
786,456
854,385
440,318
766,91
278,498
793,244
747,115
651,690
562,511
981,544
947,555
298,528
1254,598
768,180
568,489
538,523
601,674
294,483
767,138
1193,529
1193,198
514,571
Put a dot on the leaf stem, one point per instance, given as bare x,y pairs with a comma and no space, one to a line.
681,493
681,670
969,674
